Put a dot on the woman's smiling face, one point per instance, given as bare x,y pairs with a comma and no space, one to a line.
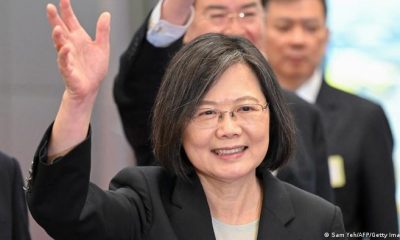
233,149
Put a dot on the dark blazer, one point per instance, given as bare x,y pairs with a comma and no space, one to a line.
359,132
13,210
141,69
150,203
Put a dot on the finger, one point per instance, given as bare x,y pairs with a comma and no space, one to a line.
59,39
53,16
68,15
103,30
64,63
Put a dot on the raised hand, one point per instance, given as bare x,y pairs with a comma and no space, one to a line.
83,62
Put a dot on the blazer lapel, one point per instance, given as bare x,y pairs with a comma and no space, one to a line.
277,210
190,206
191,215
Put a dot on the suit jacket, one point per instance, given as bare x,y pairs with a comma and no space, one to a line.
358,131
150,203
141,69
13,210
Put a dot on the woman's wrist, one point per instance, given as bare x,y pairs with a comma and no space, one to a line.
71,123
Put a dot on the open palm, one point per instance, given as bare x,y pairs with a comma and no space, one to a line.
83,62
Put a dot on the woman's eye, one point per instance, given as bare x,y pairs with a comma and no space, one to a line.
246,108
207,113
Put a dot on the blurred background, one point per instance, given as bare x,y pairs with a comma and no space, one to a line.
363,58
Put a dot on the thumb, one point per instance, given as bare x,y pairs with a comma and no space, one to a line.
103,29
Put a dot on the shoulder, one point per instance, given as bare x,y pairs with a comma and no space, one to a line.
5,159
307,116
307,203
8,164
305,215
313,213
293,99
299,107
143,179
357,103
287,200
142,173
366,112
10,174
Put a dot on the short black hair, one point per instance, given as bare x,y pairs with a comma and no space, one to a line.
189,76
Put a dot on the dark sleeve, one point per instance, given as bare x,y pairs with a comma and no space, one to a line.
142,67
63,201
378,193
20,224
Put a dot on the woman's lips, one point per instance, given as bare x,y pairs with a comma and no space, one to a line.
229,151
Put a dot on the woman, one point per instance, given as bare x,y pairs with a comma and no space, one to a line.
220,126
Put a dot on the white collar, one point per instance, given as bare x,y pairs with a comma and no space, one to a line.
309,89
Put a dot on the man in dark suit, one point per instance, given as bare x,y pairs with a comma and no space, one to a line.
142,67
13,211
359,139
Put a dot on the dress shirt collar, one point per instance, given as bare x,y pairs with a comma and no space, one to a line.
309,89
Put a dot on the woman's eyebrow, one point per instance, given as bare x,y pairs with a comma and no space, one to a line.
244,98
240,99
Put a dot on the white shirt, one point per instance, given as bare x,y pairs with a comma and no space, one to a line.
224,231
162,33
310,88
